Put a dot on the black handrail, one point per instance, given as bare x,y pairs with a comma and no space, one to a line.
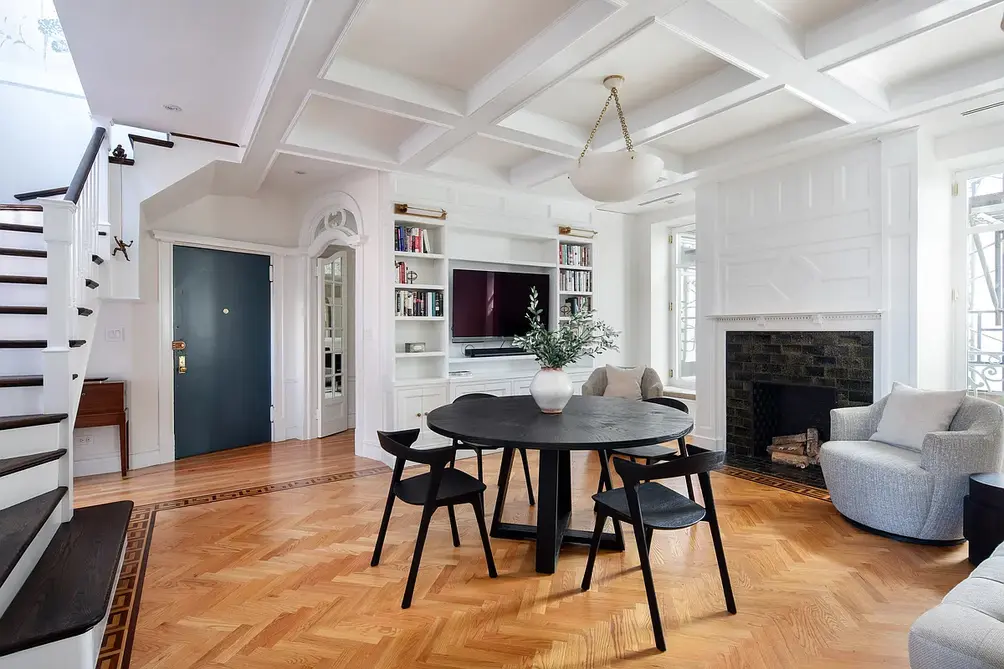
84,168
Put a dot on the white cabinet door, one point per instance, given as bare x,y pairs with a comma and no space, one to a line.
466,389
521,386
410,409
432,398
498,388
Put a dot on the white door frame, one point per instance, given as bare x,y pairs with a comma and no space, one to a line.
166,241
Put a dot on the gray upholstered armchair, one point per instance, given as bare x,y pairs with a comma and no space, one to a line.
917,495
651,384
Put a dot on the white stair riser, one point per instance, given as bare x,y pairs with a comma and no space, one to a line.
21,326
78,652
29,483
20,361
21,217
23,295
21,240
21,266
28,440
29,559
21,401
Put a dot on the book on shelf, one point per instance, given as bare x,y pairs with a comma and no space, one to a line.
575,280
577,304
575,254
411,240
401,272
418,303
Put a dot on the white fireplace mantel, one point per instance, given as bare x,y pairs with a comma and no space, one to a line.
816,317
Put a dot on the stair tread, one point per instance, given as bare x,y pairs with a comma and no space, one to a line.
23,253
22,462
38,311
69,590
20,523
14,278
30,420
34,343
17,227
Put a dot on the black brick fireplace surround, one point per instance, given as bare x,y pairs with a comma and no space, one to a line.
841,361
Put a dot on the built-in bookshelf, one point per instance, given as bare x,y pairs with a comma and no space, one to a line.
575,276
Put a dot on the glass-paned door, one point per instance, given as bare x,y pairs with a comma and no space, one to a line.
684,354
331,284
984,289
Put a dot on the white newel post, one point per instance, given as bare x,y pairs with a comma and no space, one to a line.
57,230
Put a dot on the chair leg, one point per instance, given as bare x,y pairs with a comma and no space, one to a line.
383,528
646,570
526,475
649,532
690,488
683,451
453,526
481,471
479,513
423,531
716,537
594,546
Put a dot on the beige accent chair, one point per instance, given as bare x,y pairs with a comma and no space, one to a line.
651,384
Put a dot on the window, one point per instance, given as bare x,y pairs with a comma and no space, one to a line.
684,309
984,290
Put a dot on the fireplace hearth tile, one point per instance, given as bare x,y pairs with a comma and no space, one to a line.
810,476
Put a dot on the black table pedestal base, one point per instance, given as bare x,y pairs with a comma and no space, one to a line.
554,507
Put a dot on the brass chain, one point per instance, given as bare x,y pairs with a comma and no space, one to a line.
620,113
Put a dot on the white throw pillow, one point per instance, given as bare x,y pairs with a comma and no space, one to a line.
911,414
624,383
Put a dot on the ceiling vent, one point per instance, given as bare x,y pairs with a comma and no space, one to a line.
660,199
977,110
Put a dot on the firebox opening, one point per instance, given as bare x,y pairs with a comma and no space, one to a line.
784,409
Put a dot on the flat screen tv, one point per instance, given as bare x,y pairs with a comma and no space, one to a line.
493,304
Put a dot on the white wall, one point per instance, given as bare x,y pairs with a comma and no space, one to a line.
830,242
42,138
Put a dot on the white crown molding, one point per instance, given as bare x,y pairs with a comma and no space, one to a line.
221,243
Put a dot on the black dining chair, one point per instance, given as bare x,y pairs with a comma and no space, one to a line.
478,450
649,505
650,454
440,486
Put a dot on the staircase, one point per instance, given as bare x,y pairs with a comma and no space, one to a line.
58,567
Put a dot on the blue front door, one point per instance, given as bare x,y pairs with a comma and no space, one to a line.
222,313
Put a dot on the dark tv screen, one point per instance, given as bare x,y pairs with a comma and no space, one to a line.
493,304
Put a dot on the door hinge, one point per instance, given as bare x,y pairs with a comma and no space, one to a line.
671,239
955,189
670,373
271,273
271,414
670,306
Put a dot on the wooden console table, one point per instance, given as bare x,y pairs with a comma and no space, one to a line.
102,404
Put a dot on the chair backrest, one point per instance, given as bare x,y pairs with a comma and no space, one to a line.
670,402
698,461
596,384
474,396
399,444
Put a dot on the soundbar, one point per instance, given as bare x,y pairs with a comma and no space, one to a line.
493,352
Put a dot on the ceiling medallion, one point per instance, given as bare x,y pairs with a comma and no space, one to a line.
614,176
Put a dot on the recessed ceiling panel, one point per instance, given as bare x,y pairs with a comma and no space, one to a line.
341,127
763,113
654,63
298,174
493,153
446,42
808,14
950,45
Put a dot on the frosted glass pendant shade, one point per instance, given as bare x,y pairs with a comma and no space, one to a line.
616,176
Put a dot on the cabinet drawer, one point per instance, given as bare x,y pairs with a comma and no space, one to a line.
106,397
521,386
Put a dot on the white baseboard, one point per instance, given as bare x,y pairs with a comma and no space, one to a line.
110,464
710,443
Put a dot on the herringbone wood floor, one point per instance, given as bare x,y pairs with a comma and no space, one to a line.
283,579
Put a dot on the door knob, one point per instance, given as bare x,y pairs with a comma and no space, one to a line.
418,415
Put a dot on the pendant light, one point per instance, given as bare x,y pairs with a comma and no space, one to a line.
614,176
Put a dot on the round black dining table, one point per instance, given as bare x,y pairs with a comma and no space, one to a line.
587,424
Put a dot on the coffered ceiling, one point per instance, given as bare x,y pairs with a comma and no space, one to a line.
505,93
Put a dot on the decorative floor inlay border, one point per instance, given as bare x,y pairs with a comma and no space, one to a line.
116,647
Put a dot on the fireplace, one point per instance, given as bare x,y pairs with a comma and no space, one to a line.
782,384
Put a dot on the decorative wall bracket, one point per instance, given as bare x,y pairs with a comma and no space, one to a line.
121,246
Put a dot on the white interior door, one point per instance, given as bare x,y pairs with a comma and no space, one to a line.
331,274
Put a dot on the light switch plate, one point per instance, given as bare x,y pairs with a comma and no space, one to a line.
115,334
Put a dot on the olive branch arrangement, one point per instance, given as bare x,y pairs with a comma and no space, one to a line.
581,335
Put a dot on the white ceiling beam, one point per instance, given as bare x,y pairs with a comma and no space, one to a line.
383,102
710,28
539,170
532,123
775,29
882,23
974,78
418,140
337,157
395,85
531,141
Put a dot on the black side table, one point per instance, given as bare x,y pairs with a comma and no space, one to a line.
984,515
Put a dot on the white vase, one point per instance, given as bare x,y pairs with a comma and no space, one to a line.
551,389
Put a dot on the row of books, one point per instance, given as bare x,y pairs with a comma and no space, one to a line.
411,240
575,305
573,254
400,272
418,303
577,280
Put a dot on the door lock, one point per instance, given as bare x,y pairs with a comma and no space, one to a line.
181,365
